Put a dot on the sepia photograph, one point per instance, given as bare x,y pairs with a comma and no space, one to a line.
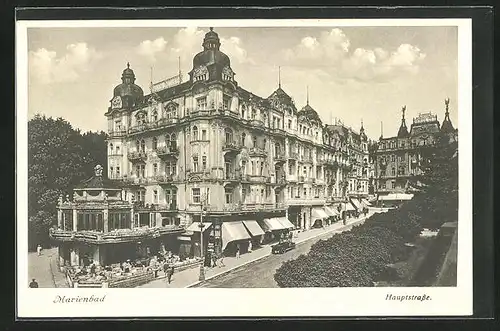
253,156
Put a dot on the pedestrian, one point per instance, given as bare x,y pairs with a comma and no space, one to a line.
92,269
214,260
250,246
165,267
221,260
238,251
33,283
39,249
170,272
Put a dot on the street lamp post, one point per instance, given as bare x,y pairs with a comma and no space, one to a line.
201,225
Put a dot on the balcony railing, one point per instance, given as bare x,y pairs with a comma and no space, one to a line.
137,156
231,146
293,155
135,181
117,133
165,151
259,179
307,158
256,151
233,176
279,157
279,180
165,179
167,121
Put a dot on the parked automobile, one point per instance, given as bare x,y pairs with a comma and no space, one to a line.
282,247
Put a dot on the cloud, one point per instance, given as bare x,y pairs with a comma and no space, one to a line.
332,51
233,47
46,67
149,48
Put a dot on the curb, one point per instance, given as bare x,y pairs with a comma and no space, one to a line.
261,257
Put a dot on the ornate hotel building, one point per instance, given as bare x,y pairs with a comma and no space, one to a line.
398,158
209,148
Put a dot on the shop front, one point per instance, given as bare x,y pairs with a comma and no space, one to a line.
318,217
256,232
332,214
235,237
275,228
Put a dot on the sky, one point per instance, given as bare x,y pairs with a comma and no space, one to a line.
355,74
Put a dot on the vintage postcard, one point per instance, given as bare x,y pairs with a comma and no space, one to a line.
266,167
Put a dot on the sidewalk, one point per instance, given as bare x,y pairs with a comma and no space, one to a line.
44,269
189,277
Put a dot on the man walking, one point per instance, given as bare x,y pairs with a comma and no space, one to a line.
39,249
170,272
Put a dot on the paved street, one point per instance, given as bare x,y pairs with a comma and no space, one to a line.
260,274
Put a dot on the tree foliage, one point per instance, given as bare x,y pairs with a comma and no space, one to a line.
363,255
59,157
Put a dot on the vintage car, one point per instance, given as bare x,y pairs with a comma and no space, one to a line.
282,247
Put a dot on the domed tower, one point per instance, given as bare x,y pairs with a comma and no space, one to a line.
127,94
211,64
403,130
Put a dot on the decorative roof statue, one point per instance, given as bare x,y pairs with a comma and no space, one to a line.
98,170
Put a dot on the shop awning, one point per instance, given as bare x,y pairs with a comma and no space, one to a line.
233,231
396,197
330,211
366,202
318,213
272,224
286,223
254,228
195,226
356,203
349,207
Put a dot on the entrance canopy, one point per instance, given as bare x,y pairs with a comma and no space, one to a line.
254,228
318,214
349,207
233,231
195,226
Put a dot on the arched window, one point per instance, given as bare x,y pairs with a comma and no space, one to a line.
154,116
195,133
140,118
173,141
277,149
254,113
138,145
110,148
254,141
155,143
143,145
243,111
229,135
243,137
264,142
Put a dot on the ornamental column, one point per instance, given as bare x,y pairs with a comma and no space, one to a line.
105,219
75,220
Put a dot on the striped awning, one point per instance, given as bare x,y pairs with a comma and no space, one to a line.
272,224
286,223
330,211
356,203
233,231
254,228
366,202
349,207
318,214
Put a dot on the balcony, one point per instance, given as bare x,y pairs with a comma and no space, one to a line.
279,180
306,201
162,122
293,155
165,207
167,151
306,159
115,236
137,156
279,131
232,177
279,157
256,151
231,147
135,181
165,179
117,133
259,179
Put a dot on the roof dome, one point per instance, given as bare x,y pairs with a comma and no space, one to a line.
310,114
131,93
211,53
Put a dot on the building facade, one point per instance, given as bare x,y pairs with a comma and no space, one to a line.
209,148
397,159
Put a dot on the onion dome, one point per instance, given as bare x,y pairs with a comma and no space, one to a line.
130,93
403,130
211,53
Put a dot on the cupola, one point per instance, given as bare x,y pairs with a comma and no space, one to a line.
127,94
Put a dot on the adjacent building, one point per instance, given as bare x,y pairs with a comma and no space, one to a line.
397,159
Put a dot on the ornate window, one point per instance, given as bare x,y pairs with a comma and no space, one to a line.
117,171
111,148
203,134
204,163
155,169
228,195
154,116
243,137
254,139
195,163
171,110
264,143
196,194
254,113
201,103
143,146
195,133
243,111
229,135
226,102
137,145
140,118
155,143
